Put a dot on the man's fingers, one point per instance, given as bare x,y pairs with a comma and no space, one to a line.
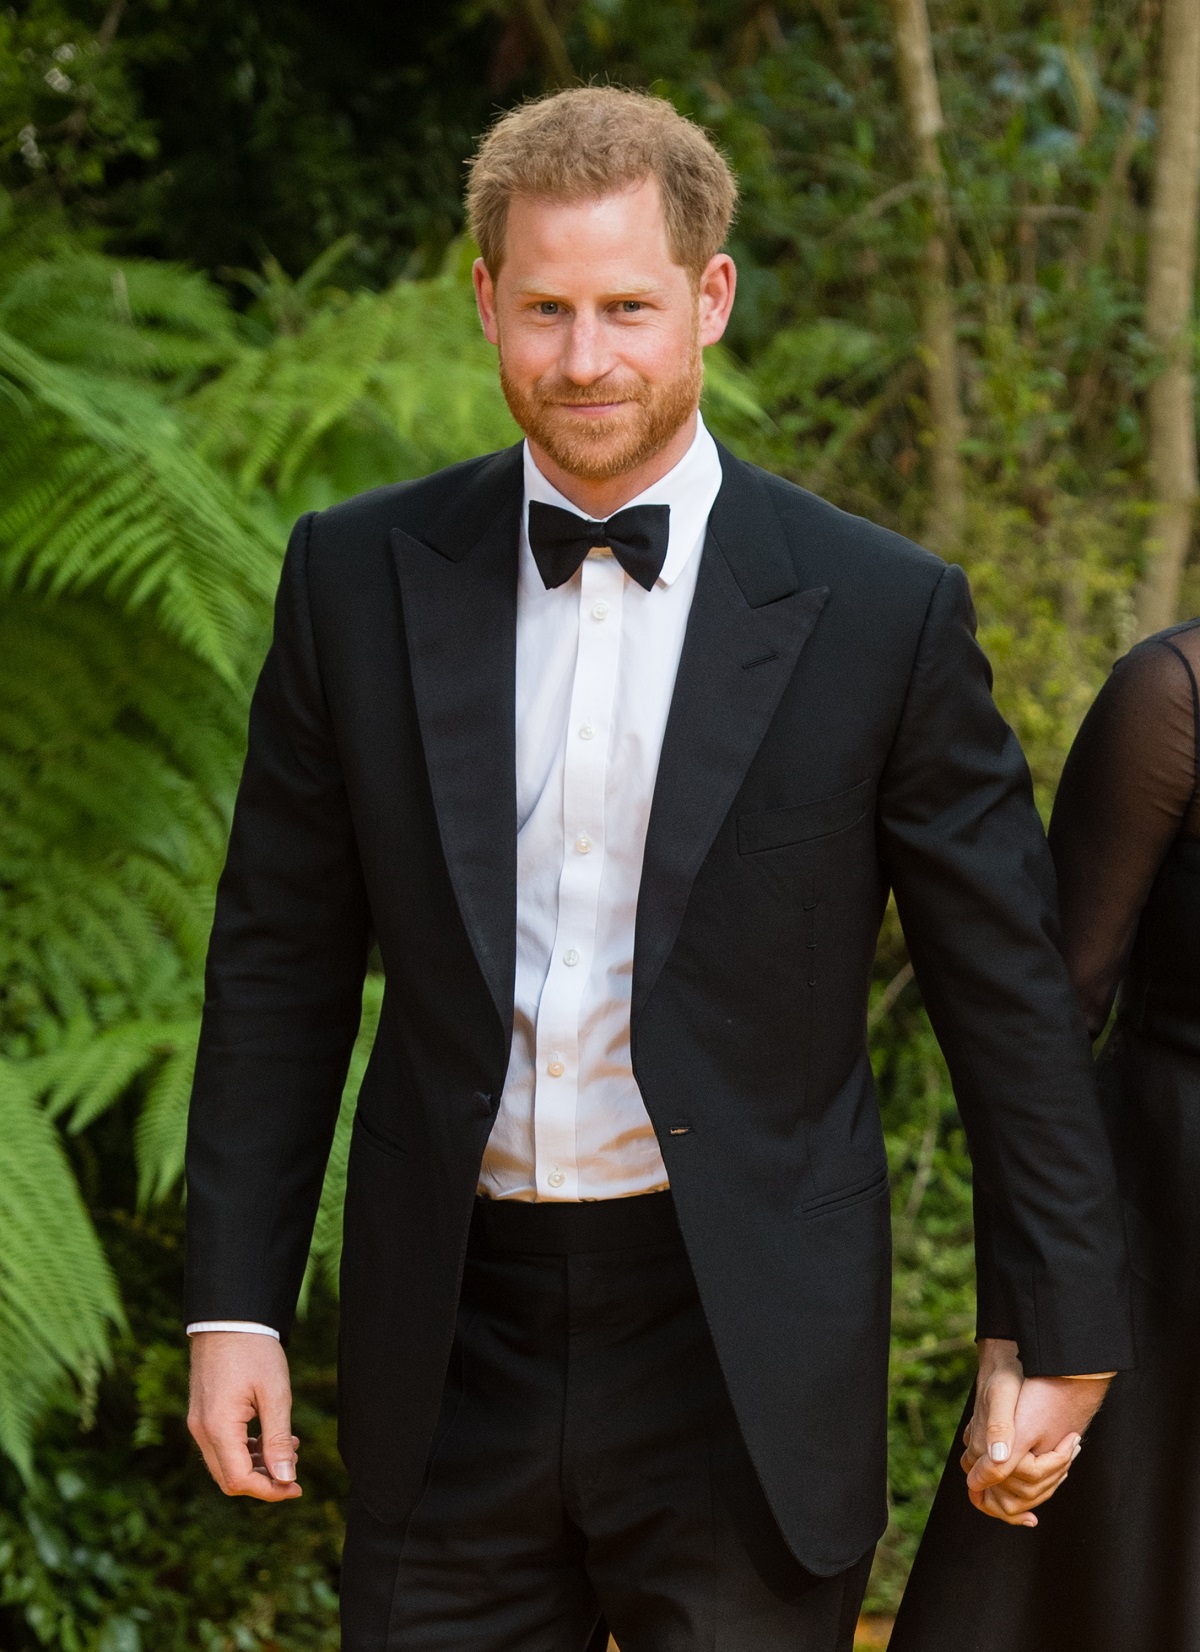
256,1452
211,1461
987,1503
237,1465
1003,1503
1032,1482
988,1470
1033,1469
226,1448
242,1472
278,1442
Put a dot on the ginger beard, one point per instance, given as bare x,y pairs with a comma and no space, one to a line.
598,449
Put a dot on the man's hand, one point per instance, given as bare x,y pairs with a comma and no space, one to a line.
1025,1433
236,1376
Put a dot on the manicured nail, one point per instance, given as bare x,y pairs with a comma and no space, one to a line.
998,1451
1076,1449
283,1471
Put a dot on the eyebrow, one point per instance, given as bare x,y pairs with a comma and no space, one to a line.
532,290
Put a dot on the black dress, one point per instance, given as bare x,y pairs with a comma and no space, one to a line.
1114,1565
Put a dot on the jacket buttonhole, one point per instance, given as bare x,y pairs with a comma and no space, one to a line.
760,659
680,1130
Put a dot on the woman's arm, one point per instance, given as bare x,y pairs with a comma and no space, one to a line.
1125,793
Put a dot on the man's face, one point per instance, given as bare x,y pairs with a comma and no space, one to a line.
599,330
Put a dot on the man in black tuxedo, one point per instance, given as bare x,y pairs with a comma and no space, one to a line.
614,745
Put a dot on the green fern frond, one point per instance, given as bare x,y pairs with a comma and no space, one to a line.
390,385
131,318
162,1124
118,760
104,490
90,1069
58,1298
325,1256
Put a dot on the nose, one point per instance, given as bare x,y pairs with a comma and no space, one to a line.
586,356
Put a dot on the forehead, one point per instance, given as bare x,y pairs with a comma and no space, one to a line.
602,239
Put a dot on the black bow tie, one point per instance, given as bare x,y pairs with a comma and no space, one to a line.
560,541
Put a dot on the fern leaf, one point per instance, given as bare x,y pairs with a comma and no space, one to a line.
58,1298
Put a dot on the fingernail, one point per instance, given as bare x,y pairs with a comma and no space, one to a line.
998,1451
283,1471
1078,1447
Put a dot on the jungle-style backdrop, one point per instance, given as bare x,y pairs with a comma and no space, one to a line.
233,286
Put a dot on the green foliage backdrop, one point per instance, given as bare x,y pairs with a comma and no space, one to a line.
232,288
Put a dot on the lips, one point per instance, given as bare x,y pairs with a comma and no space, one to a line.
593,407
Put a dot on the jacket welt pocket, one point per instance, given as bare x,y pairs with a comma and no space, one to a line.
857,1193
378,1140
780,828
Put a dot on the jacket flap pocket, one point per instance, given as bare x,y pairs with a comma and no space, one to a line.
777,828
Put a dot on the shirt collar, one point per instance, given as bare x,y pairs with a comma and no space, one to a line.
690,488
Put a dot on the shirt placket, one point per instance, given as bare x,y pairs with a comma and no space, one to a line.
589,726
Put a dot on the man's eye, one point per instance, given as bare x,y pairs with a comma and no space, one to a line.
629,306
547,307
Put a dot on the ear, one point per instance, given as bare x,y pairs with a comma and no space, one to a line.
485,300
718,284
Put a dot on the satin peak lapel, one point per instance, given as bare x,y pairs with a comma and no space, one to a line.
748,624
459,595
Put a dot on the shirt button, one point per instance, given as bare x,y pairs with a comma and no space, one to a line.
586,732
583,844
556,1178
570,957
555,1066
600,611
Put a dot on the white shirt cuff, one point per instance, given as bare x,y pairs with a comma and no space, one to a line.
232,1325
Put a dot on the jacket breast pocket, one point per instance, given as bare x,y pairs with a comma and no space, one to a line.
767,829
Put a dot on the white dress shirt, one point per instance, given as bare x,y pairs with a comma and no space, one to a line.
596,665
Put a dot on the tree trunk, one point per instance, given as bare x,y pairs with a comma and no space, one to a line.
939,343
1170,284
557,65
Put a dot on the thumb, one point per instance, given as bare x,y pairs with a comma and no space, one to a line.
275,1421
998,1430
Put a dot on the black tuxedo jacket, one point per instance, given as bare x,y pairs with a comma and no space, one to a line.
832,734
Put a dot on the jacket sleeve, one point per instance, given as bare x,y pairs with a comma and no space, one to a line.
975,888
283,991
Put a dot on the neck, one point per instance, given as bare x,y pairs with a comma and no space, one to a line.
601,499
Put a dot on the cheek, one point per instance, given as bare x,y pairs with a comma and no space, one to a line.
528,353
657,350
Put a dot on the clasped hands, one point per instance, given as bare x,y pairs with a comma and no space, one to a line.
1024,1434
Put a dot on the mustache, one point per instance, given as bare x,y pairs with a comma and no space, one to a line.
569,396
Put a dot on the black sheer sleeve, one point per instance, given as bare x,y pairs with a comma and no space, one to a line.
1129,789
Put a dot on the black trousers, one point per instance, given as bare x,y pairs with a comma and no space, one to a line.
587,1468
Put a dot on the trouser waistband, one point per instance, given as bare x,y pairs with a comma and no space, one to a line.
568,1229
